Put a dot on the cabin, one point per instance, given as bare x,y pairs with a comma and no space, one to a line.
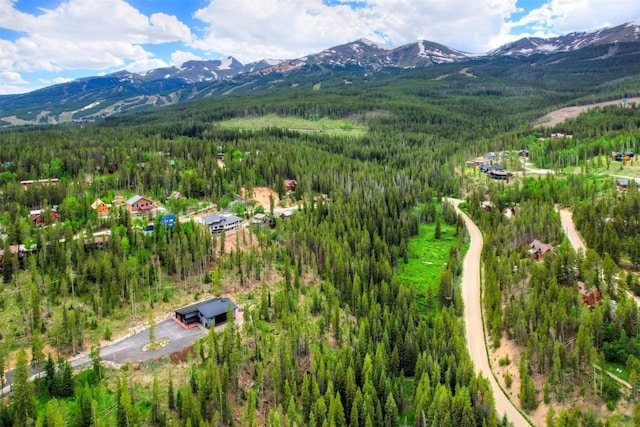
538,250
523,153
290,184
101,208
49,181
176,195
36,215
210,313
218,223
589,296
139,204
622,184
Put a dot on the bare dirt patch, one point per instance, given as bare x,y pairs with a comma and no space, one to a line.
558,116
261,196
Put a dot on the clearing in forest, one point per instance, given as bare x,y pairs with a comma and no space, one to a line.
340,127
427,257
558,116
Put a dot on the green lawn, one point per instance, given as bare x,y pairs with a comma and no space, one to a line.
325,125
427,257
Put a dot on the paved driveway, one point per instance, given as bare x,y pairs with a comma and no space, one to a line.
130,349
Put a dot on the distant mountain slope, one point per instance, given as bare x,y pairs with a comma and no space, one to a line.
628,32
524,60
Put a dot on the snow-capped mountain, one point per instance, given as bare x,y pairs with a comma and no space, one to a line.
628,32
198,71
101,96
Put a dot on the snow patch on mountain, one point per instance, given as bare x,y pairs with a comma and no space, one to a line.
225,64
374,44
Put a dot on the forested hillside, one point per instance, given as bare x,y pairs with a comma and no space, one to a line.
330,333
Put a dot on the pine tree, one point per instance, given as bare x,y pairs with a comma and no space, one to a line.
22,398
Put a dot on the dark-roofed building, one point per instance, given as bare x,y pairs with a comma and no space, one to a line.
208,313
218,223
623,183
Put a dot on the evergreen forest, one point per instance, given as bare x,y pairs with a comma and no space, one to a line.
338,327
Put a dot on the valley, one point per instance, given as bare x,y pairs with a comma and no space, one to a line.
394,241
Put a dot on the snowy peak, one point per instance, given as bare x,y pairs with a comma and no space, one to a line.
629,32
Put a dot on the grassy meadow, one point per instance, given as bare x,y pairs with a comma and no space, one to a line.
427,257
326,125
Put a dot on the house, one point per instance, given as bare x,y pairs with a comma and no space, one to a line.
287,213
619,157
138,204
21,251
486,168
259,219
27,183
523,153
168,220
96,243
100,207
208,313
218,223
589,296
623,183
176,195
498,174
538,249
36,215
561,136
290,184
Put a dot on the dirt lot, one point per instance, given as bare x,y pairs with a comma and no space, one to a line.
261,196
558,116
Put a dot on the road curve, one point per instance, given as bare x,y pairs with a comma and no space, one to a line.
476,343
566,218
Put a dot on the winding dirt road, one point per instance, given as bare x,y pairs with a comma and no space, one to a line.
566,218
473,320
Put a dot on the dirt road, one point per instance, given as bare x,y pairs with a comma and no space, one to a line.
566,218
473,320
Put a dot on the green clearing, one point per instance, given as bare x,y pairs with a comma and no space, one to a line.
339,127
427,257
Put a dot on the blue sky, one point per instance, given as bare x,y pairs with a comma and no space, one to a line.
44,42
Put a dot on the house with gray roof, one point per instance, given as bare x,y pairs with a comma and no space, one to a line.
219,223
139,204
208,313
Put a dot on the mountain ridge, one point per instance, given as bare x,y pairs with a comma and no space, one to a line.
101,96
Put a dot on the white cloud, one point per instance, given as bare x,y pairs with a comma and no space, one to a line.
85,34
563,16
11,77
179,57
145,64
290,28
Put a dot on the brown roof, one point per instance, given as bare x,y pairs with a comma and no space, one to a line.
540,247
